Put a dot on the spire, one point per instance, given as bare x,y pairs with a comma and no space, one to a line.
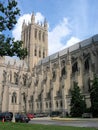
23,24
45,23
33,18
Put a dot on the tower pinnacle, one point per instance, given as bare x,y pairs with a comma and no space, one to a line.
33,18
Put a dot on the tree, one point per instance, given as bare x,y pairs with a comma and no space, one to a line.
8,18
78,104
94,96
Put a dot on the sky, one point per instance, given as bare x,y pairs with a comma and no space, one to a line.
69,21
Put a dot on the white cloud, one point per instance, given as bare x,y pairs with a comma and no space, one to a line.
17,30
70,42
39,17
16,33
56,35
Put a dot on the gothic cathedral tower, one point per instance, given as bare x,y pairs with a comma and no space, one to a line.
35,39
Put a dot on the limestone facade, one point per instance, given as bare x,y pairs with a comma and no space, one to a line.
42,83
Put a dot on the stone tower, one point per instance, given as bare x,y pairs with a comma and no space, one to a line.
35,39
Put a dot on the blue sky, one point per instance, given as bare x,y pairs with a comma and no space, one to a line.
70,21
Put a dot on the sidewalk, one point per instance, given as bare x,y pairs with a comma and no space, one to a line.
74,119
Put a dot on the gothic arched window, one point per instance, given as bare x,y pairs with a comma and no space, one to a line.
61,104
86,64
63,71
43,54
16,78
35,52
46,105
39,35
43,37
4,75
14,97
50,104
54,74
35,33
39,53
24,80
57,104
10,76
75,67
37,105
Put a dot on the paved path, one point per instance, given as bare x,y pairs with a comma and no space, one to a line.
67,122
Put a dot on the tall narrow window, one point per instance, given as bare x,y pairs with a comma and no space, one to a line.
63,71
43,54
75,67
57,104
39,53
35,33
46,105
86,64
39,35
24,79
43,37
4,75
10,76
16,78
61,104
14,97
35,52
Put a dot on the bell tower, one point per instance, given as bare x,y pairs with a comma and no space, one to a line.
35,39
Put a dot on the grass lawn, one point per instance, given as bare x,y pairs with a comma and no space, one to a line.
23,126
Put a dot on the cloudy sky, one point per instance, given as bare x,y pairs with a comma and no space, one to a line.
70,21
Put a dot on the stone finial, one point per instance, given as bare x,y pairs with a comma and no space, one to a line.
33,18
45,23
23,24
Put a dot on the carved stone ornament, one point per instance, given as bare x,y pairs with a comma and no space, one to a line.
62,63
36,81
55,65
39,70
4,75
73,59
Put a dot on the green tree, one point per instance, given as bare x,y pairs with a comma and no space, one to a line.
94,96
78,105
8,18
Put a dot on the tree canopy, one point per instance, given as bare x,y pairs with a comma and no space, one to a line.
8,18
78,104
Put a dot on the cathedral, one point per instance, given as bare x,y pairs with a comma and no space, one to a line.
42,83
